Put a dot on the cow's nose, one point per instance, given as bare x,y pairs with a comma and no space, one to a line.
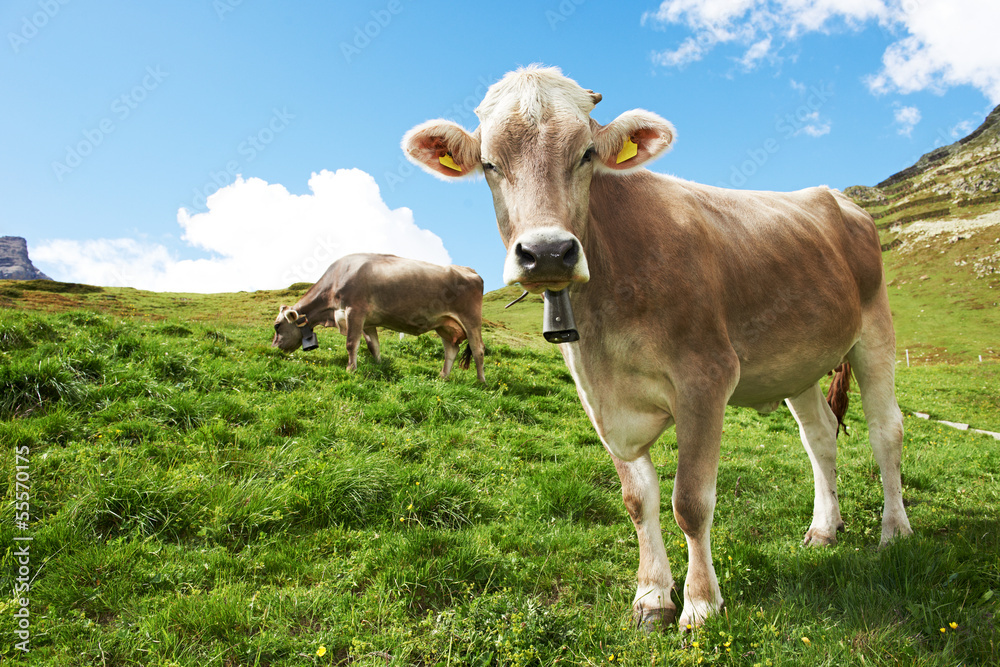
548,257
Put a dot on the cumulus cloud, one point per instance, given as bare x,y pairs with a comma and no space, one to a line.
941,44
688,52
907,119
949,44
814,126
757,52
258,236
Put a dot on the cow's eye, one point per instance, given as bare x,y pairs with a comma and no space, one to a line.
587,156
489,166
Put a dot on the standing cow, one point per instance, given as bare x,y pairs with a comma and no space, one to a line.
361,292
687,298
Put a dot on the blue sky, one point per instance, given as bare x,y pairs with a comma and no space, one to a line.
127,124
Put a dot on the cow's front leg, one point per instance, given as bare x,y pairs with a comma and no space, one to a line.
355,329
450,349
652,608
699,434
371,340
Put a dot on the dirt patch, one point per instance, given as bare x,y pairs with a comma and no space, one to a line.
49,301
927,230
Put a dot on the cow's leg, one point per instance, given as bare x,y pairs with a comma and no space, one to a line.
450,349
699,417
873,360
355,329
652,608
371,340
478,349
818,430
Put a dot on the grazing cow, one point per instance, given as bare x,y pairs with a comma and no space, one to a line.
360,292
687,298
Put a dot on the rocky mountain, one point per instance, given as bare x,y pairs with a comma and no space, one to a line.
14,261
958,180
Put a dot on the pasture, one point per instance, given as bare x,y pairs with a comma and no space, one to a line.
198,498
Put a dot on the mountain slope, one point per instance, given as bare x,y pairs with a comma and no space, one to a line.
958,180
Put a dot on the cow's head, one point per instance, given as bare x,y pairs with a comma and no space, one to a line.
289,328
539,148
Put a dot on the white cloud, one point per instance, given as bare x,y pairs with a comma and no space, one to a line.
962,129
814,126
756,53
949,44
907,118
942,43
688,52
259,236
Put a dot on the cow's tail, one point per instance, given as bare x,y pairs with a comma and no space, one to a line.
466,359
837,397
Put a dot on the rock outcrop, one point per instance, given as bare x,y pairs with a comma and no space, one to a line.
14,261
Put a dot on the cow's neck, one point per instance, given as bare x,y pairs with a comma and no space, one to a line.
317,305
617,241
628,248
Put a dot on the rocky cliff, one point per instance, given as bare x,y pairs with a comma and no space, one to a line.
14,261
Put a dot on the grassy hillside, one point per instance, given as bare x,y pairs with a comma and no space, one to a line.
940,225
198,498
944,286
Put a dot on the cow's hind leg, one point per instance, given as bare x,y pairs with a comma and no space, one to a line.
818,430
873,360
474,330
652,608
371,340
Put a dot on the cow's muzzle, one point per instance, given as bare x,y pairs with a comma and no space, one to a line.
546,259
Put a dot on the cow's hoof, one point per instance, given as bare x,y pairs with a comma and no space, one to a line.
815,538
654,620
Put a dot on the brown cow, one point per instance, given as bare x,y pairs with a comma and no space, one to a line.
687,298
361,292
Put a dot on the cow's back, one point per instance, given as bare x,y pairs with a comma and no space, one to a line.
775,276
405,295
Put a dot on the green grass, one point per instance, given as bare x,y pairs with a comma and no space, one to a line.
941,311
198,498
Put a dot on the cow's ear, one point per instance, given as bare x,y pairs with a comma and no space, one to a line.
633,139
443,148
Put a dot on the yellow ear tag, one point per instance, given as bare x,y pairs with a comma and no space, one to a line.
629,150
448,162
